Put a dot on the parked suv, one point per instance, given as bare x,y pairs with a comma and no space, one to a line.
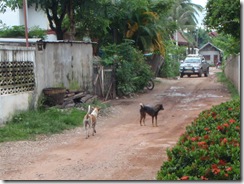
194,65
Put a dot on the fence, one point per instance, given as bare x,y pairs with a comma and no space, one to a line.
25,72
232,70
17,79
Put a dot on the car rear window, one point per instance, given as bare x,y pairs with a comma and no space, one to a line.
192,60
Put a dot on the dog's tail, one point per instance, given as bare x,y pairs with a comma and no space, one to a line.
88,112
142,105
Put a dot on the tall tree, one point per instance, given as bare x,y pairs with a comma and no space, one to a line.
224,16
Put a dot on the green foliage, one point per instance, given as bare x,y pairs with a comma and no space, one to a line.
203,37
132,71
224,16
232,89
228,44
37,32
19,32
171,64
209,149
27,125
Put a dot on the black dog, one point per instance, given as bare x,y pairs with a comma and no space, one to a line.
152,111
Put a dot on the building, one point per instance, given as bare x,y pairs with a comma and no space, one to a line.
211,53
34,18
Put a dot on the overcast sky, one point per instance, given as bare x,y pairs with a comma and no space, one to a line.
201,15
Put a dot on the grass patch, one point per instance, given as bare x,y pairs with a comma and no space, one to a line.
232,89
26,125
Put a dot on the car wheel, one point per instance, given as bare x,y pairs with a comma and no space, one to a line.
200,73
181,75
206,73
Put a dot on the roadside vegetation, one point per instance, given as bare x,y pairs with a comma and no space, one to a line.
27,125
19,32
209,149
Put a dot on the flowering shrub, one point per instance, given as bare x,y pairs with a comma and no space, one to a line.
209,149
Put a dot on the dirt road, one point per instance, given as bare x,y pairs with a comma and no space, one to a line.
121,149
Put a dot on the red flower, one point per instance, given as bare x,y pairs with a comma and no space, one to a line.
222,162
226,125
202,144
228,169
204,178
207,129
216,171
184,178
230,109
194,139
232,121
206,137
224,141
220,128
214,114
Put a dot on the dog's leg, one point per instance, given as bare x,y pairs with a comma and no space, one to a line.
152,121
142,119
93,127
156,118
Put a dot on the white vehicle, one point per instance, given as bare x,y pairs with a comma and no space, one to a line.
194,65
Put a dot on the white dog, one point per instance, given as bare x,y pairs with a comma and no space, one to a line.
90,120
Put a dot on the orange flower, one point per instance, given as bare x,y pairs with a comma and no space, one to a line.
204,178
226,125
224,141
184,178
228,169
194,139
216,171
207,129
232,121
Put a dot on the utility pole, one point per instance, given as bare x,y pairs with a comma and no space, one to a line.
25,18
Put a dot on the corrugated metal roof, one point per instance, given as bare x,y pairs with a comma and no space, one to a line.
211,45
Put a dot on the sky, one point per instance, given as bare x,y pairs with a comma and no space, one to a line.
201,15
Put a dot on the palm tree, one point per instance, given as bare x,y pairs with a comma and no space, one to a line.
184,15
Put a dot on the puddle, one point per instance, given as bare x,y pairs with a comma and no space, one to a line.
176,87
208,96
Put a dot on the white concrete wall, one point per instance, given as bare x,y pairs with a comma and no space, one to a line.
63,64
10,18
16,18
11,104
57,64
232,71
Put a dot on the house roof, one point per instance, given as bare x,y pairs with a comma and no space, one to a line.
181,38
213,34
207,44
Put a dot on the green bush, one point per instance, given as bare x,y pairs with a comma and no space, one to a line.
209,149
19,32
171,65
132,72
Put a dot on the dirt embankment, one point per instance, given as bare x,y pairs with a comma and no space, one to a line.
121,149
